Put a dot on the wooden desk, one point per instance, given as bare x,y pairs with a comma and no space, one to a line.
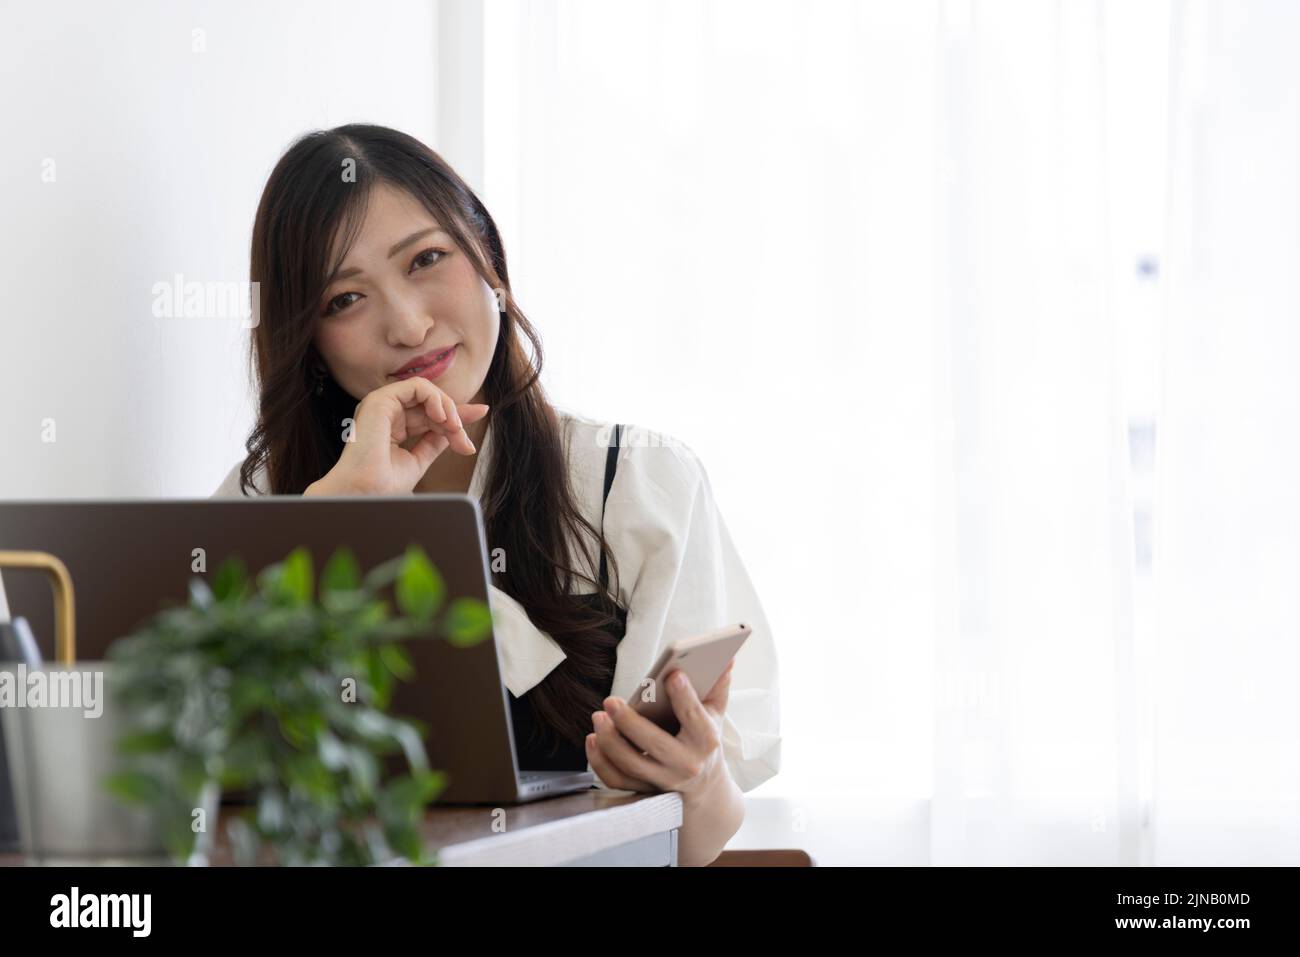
598,827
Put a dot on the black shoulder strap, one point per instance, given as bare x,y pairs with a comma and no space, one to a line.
611,466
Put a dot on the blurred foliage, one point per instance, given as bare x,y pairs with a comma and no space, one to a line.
259,685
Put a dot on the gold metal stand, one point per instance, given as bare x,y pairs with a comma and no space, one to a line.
65,641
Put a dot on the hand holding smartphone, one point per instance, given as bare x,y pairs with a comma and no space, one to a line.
703,659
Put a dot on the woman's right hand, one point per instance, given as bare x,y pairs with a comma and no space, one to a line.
373,461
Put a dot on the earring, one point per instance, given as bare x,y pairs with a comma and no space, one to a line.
320,380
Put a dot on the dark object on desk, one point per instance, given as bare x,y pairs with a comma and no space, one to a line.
17,645
764,858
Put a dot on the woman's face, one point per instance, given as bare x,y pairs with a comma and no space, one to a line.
406,290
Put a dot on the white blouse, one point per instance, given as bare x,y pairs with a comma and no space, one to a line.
679,575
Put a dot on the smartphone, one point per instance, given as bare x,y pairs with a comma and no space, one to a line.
703,659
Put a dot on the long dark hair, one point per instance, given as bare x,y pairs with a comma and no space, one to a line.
529,507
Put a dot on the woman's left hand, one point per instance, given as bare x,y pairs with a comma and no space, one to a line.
629,751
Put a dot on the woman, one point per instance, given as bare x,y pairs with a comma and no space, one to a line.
390,359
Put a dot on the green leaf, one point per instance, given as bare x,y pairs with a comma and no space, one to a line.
134,787
146,742
232,575
234,778
405,839
300,729
401,805
192,777
341,574
249,695
178,837
417,789
307,774
296,580
381,681
397,661
376,612
467,622
420,589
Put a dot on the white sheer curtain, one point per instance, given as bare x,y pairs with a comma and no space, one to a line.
1227,549
1035,734
856,255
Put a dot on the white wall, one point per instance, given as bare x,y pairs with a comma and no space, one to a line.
160,152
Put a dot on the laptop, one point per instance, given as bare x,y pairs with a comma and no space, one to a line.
129,557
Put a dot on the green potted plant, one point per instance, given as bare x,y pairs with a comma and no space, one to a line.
260,685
